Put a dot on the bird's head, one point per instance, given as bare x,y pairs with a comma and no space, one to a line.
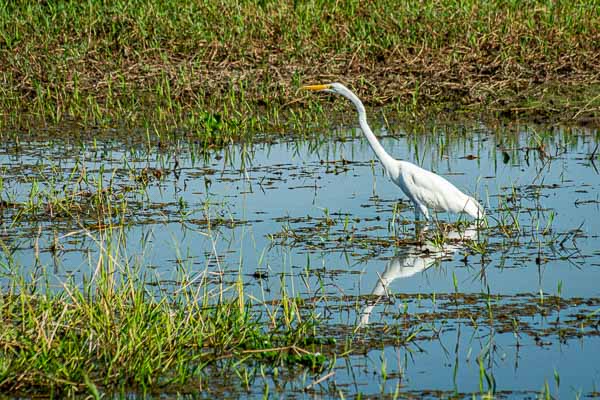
335,87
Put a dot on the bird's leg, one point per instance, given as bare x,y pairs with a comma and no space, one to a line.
417,217
420,232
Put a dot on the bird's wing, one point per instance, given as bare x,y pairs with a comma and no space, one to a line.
434,191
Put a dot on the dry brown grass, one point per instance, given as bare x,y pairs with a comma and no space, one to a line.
136,62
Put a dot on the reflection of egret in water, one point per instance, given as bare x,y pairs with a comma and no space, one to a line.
413,259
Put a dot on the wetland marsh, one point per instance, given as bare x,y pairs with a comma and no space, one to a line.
177,219
307,244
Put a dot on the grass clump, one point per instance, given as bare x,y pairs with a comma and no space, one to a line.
114,334
220,68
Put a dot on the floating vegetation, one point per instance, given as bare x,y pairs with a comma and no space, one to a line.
294,267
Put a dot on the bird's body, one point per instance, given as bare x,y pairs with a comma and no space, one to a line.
425,189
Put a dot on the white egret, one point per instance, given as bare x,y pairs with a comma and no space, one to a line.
425,189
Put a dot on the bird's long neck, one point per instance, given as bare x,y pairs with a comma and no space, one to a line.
383,155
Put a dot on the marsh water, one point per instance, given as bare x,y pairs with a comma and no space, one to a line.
511,307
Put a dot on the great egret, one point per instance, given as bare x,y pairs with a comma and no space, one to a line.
424,188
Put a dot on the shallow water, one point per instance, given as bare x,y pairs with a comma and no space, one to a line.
320,220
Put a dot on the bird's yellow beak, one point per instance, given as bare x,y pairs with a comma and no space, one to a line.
315,87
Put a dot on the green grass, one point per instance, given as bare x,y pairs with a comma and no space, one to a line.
222,69
113,333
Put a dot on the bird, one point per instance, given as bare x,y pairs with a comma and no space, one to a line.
425,189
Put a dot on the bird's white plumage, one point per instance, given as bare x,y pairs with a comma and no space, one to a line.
430,191
425,189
